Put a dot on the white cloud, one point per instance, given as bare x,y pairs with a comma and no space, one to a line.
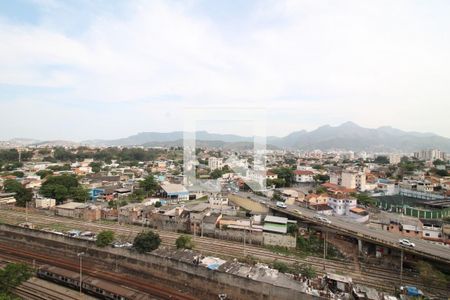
376,63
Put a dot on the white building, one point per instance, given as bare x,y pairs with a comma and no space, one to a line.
431,229
218,201
45,203
353,180
215,163
430,154
394,159
341,205
303,176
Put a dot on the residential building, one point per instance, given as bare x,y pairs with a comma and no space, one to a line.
430,154
173,191
303,176
394,159
218,201
316,199
271,175
341,203
87,212
215,163
45,203
354,180
431,229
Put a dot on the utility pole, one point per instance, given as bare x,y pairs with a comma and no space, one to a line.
80,255
245,252
324,247
401,267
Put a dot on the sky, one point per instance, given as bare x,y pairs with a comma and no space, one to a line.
83,69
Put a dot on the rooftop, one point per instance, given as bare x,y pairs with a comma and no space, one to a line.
273,227
274,219
171,188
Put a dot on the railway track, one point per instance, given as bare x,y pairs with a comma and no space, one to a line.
33,291
137,283
373,276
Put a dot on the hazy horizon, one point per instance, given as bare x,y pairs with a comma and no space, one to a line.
218,131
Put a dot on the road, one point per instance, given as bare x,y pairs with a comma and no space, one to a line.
378,236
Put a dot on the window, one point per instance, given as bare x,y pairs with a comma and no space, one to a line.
427,234
407,231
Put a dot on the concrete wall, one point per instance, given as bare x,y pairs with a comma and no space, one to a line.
177,274
279,240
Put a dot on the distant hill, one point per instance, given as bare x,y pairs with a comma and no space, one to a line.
350,136
347,136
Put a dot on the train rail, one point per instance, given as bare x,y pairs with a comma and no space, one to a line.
377,277
33,291
136,283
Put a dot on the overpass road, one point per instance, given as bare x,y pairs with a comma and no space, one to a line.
361,231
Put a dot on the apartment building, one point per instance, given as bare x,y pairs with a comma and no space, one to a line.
215,163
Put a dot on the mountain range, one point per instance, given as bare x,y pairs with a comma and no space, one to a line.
347,136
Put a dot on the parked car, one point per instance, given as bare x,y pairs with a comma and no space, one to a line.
88,235
297,211
122,245
73,233
281,204
406,243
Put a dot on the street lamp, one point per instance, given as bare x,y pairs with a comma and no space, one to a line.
80,255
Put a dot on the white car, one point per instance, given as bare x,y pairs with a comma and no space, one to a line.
281,204
406,243
325,220
322,219
122,245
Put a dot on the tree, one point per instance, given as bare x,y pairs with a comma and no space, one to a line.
105,238
22,195
13,275
63,187
381,160
280,266
146,241
158,204
149,184
44,173
305,269
79,194
292,229
55,191
62,154
279,182
18,174
184,242
321,190
215,174
365,199
430,274
321,178
438,162
286,174
96,166
442,173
